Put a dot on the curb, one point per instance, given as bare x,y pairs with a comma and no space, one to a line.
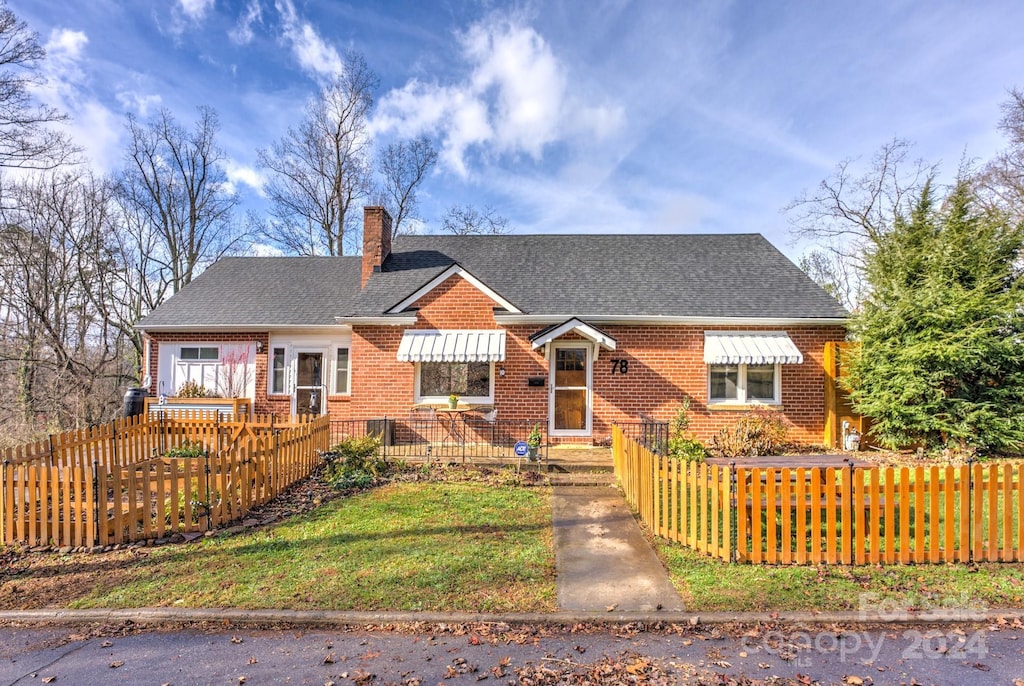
330,618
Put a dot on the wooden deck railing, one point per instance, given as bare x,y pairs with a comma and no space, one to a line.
112,485
874,515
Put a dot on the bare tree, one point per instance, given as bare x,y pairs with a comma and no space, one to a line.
320,169
464,220
63,360
848,213
1001,181
26,137
175,203
403,166
834,274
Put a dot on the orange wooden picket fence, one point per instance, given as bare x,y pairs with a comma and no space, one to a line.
111,484
875,515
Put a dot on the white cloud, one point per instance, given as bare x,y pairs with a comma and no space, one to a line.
315,55
515,99
141,103
242,34
195,9
240,174
66,87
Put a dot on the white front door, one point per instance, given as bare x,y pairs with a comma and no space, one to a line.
570,380
309,395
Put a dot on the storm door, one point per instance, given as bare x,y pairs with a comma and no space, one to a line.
570,381
309,397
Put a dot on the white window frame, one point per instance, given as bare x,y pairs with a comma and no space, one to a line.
741,387
189,366
199,353
441,399
334,370
270,371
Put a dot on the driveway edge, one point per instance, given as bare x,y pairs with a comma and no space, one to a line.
332,618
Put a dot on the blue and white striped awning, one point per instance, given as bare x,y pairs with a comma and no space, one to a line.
750,347
487,345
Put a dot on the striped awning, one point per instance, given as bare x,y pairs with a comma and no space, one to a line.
749,347
452,346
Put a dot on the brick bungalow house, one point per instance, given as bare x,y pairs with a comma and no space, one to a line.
578,330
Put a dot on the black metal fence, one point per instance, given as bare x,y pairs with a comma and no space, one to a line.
649,433
437,437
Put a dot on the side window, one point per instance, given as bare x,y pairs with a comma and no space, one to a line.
341,372
277,371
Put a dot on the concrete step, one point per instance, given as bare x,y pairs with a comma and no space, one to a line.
582,479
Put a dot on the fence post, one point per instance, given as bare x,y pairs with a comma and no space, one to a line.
209,504
4,523
848,559
96,501
52,460
733,532
113,441
384,439
277,462
970,510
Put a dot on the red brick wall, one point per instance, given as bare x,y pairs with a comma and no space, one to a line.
665,362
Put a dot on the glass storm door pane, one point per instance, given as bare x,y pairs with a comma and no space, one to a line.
309,388
570,389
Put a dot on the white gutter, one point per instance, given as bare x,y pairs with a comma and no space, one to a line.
501,318
255,328
378,321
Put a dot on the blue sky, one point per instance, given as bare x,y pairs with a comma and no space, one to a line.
616,116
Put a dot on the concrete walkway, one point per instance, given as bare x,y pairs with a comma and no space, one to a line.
603,561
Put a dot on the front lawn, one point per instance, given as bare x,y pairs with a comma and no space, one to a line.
411,546
711,585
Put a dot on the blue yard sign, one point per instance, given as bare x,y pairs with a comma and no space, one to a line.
521,449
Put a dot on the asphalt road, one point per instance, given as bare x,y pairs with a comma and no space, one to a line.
991,654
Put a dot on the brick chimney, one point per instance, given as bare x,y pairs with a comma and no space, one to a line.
376,240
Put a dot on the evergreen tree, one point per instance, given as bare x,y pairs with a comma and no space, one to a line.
941,355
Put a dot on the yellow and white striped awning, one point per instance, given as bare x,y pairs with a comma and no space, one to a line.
750,347
486,345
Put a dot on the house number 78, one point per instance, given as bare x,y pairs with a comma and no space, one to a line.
620,366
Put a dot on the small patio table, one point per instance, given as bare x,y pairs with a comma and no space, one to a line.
453,419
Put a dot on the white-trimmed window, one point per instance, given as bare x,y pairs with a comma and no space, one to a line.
473,382
342,371
204,353
746,384
278,370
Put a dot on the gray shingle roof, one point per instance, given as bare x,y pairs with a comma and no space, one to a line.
676,275
262,292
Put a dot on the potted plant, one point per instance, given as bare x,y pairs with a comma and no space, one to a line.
453,401
533,442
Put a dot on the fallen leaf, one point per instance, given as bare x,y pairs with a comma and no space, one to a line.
330,659
236,639
611,608
853,680
48,679
106,644
474,641
252,660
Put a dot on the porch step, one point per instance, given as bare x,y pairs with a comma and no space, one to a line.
582,479
557,467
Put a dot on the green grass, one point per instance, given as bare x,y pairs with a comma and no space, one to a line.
424,546
710,585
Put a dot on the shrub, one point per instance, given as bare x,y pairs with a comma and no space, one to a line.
756,433
681,446
357,465
193,389
186,449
